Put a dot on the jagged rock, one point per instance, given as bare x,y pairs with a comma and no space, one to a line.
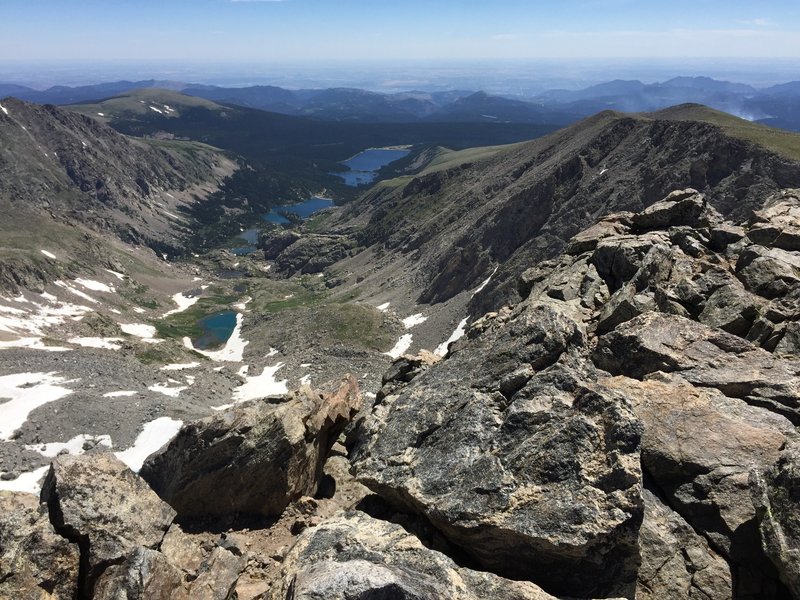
768,272
732,309
217,576
254,458
776,496
790,342
275,241
777,223
35,562
623,306
677,563
681,207
531,473
725,234
313,253
705,357
144,573
618,259
699,447
352,556
98,502
610,225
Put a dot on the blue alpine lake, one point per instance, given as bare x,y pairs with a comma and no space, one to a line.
216,328
302,209
365,165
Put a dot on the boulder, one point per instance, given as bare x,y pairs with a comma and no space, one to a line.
275,241
776,496
698,449
98,502
35,562
144,573
769,272
732,309
705,357
509,453
676,561
352,556
254,458
608,226
681,207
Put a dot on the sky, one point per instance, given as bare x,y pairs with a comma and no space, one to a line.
333,30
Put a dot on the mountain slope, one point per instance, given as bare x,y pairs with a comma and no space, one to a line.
448,229
64,170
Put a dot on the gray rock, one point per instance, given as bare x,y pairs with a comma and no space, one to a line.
254,458
724,235
768,272
524,467
732,309
610,225
144,573
623,306
681,207
276,241
776,496
676,561
790,342
699,448
35,562
98,502
352,556
705,357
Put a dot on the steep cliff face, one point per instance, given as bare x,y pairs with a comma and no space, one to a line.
521,205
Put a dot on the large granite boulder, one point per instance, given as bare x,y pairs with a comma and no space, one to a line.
352,556
681,207
705,357
254,458
96,501
35,562
508,451
698,448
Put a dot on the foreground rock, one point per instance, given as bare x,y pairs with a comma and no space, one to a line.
776,495
355,557
98,502
35,562
535,475
254,458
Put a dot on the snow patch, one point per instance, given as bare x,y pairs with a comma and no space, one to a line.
32,343
183,303
161,112
154,435
4,109
305,380
402,345
383,307
48,254
120,394
119,276
101,114
180,366
243,304
163,388
139,330
97,342
75,446
27,482
485,283
414,320
77,292
27,392
441,349
261,386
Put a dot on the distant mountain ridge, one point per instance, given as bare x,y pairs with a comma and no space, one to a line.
776,105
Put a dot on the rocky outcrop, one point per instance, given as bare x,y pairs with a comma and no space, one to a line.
355,557
35,562
507,450
97,502
776,496
255,458
308,253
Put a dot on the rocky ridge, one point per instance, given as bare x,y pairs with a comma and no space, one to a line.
627,429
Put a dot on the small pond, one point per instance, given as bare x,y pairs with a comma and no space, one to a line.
216,328
365,165
301,209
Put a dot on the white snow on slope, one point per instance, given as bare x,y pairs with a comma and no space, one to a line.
32,343
95,286
414,320
180,366
97,342
403,344
139,330
441,349
120,276
485,283
33,322
183,303
4,109
25,393
27,482
261,386
76,291
163,388
75,446
161,112
383,307
121,394
153,436
48,254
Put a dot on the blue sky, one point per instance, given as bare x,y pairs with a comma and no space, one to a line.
299,30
